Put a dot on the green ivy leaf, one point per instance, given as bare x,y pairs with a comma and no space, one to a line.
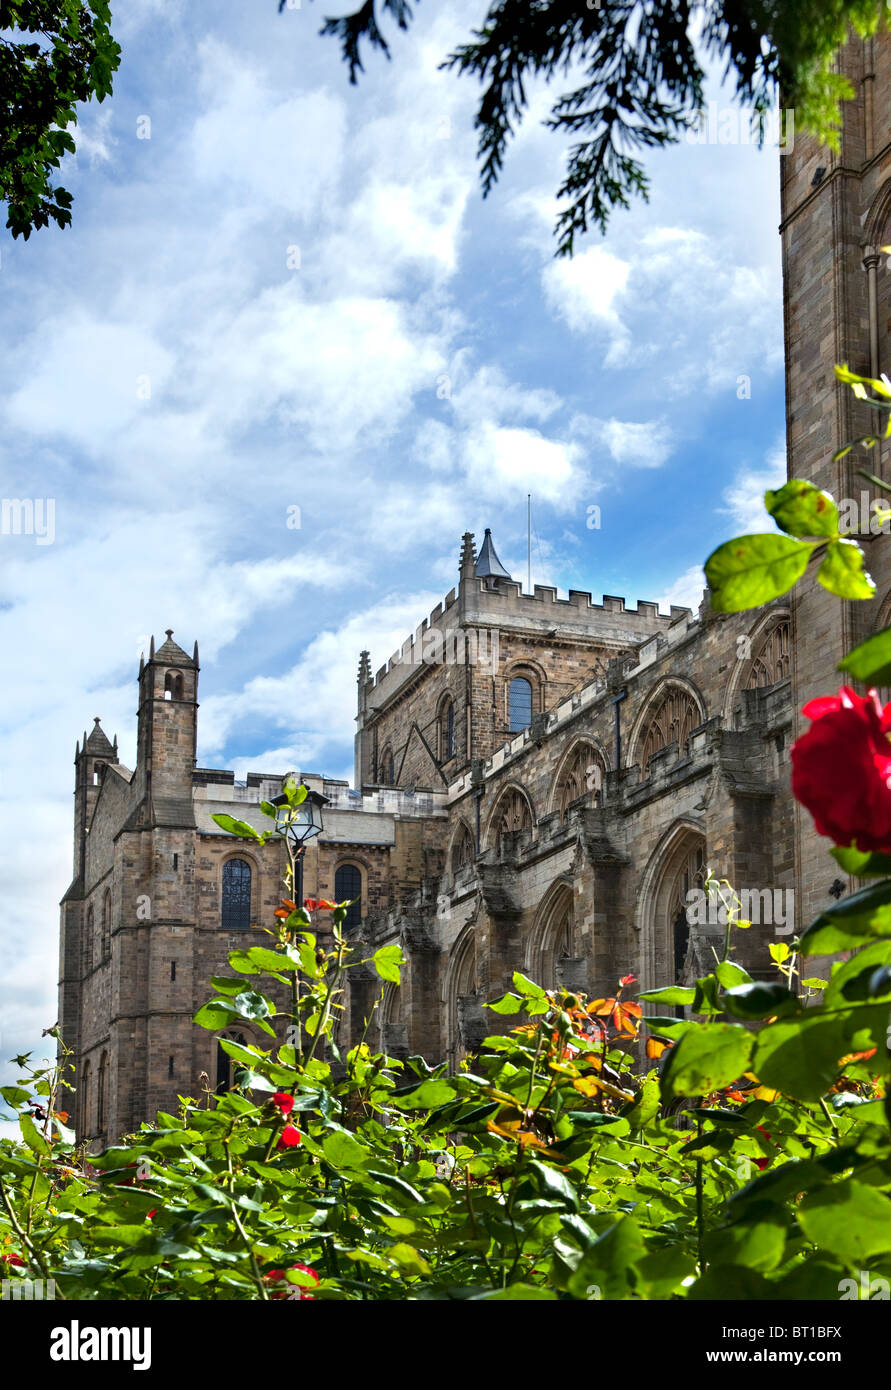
842,571
800,509
759,1000
871,660
751,570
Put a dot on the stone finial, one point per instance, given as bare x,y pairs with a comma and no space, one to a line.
195,653
168,631
77,750
152,649
364,667
468,555
141,662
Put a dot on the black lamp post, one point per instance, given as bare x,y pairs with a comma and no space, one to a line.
297,824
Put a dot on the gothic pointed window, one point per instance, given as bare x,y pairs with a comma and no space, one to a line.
88,941
673,720
106,926
772,664
236,914
519,704
101,1097
173,685
348,885
463,850
446,730
581,776
513,814
690,879
387,768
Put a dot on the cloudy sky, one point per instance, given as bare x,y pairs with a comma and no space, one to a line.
284,299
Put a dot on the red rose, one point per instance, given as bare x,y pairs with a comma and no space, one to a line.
284,1102
289,1137
762,1162
151,1214
841,769
13,1260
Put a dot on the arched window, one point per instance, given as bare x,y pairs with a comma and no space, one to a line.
581,775
519,704
173,685
446,731
673,721
513,814
98,774
88,941
236,895
772,664
387,768
106,925
690,877
463,850
101,1094
85,1082
554,937
348,884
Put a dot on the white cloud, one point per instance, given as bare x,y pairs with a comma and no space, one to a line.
646,445
744,497
685,591
583,291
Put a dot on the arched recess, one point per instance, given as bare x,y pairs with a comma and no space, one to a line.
516,713
670,714
883,620
445,728
350,880
225,1065
462,850
106,925
876,234
86,1079
102,1095
676,866
460,993
553,937
512,812
769,644
89,944
387,768
581,772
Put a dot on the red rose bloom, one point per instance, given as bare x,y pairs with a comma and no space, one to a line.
289,1137
841,769
13,1260
284,1102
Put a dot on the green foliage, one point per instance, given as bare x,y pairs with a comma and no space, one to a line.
54,55
641,77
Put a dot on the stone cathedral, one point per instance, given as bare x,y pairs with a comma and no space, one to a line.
539,783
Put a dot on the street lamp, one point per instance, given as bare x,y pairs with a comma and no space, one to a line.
297,824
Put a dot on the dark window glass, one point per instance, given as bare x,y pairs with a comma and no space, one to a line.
449,731
236,895
520,704
348,884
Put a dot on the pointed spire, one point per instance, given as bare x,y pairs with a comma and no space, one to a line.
97,742
77,750
488,566
195,652
468,555
364,667
152,649
141,662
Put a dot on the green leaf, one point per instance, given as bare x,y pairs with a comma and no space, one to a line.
801,509
668,1027
32,1136
426,1096
217,1014
704,1060
729,974
751,570
528,988
252,1005
800,1056
407,1257
15,1095
851,922
862,863
670,994
842,571
848,1218
387,961
853,981
508,1004
870,662
759,1000
237,827
342,1150
517,1293
260,958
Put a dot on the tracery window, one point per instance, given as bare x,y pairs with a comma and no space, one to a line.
106,926
772,663
88,941
102,1083
513,814
447,731
387,769
463,851
673,721
582,775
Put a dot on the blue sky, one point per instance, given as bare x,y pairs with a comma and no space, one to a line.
176,383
